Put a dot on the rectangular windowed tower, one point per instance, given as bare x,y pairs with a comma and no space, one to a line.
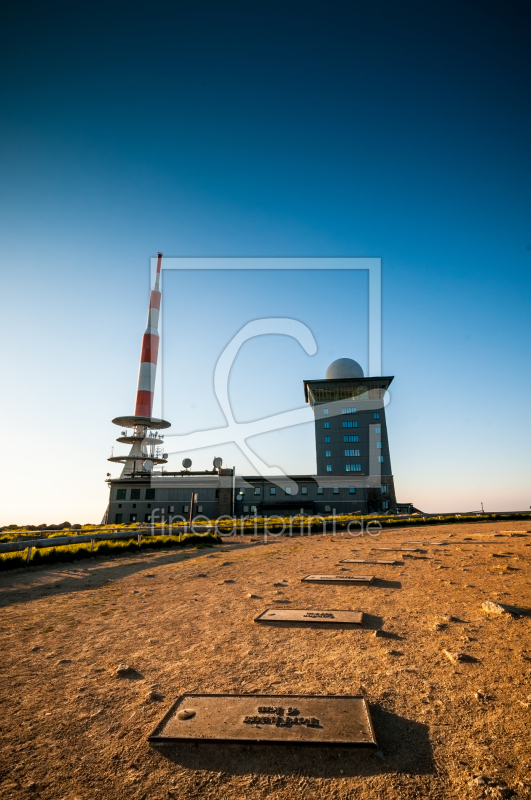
351,431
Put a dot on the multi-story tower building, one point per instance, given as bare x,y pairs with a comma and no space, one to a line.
351,432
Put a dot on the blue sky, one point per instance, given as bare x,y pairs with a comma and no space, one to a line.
398,131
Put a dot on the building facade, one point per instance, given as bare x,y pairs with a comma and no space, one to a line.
353,466
351,430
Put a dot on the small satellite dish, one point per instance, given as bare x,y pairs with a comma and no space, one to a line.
187,463
218,462
164,455
148,465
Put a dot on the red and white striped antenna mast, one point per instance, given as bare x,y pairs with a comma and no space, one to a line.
145,450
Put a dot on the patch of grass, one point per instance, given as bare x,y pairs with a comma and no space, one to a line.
69,553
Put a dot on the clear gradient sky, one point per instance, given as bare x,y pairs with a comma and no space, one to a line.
394,130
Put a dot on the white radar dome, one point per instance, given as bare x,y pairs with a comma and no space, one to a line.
343,368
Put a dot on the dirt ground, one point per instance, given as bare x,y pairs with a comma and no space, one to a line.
72,729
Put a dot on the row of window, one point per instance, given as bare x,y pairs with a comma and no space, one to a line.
121,494
353,467
335,489
351,423
349,410
159,517
350,437
349,453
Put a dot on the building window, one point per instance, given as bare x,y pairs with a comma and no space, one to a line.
257,490
246,508
384,488
329,467
186,509
379,445
199,509
325,411
327,424
288,490
385,504
327,508
376,415
147,518
351,423
239,497
320,490
134,505
171,509
119,505
132,518
349,453
118,519
348,410
380,459
272,490
253,508
352,490
304,490
327,439
135,494
353,468
121,494
351,439
328,454
377,429
150,494
336,490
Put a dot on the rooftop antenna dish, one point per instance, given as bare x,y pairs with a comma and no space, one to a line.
148,465
217,462
187,463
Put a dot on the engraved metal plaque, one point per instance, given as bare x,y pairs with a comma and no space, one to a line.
267,719
366,561
330,616
338,578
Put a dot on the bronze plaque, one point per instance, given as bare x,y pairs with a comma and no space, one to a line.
310,615
366,561
338,578
267,719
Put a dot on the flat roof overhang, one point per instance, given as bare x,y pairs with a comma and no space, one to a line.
383,382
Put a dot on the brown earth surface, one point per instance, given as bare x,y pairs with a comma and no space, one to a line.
72,729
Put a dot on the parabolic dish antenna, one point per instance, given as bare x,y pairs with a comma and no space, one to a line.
218,462
148,464
187,463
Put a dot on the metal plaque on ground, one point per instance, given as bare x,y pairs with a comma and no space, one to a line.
267,719
366,561
332,616
398,549
338,578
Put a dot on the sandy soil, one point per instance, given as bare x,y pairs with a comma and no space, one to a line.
71,728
